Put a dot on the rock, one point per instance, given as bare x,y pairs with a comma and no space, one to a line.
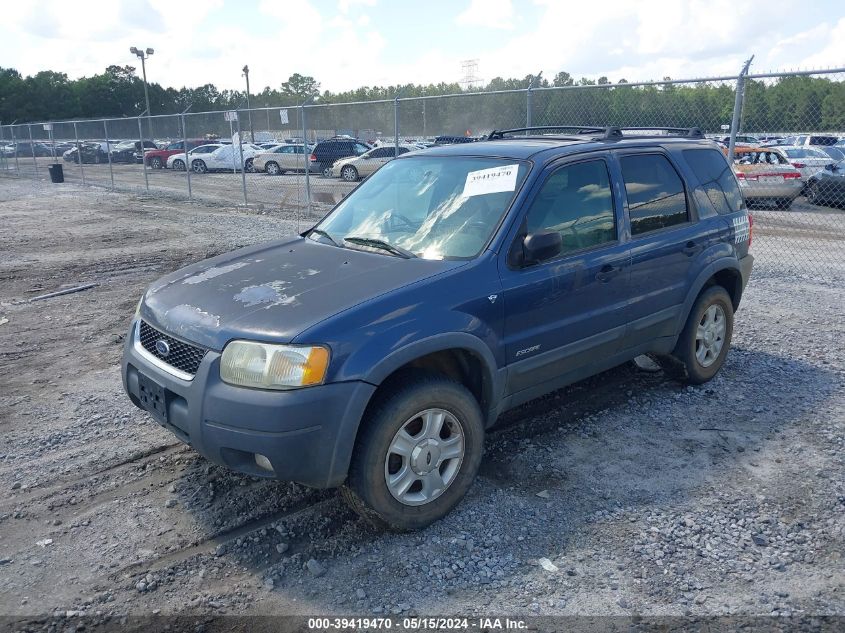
44,542
360,593
760,540
268,584
315,568
282,547
622,603
141,586
170,503
543,494
16,485
548,565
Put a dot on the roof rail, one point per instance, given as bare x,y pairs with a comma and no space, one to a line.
603,132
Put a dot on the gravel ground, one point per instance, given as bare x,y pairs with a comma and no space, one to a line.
624,494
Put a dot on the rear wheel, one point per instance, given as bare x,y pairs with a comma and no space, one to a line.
813,193
179,165
326,170
706,338
272,168
349,173
199,167
250,168
155,162
417,453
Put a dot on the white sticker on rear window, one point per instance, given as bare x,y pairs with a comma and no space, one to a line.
493,180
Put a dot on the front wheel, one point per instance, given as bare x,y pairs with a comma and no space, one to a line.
199,167
417,453
179,165
272,168
155,163
813,193
250,168
349,173
706,338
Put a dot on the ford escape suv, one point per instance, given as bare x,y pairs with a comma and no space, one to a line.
372,351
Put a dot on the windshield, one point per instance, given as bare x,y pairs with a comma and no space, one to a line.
432,206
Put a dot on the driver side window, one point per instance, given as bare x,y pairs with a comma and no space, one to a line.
577,202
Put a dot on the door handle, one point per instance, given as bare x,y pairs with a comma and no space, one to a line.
691,248
608,272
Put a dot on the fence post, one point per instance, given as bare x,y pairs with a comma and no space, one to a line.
185,146
738,101
32,150
108,148
307,165
241,152
143,158
395,126
3,160
529,106
15,143
79,152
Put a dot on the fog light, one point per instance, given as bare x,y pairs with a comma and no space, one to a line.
263,463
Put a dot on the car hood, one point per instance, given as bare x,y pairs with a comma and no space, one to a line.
272,292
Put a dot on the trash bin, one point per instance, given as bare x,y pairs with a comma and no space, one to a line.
57,172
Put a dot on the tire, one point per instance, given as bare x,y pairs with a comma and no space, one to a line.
404,405
199,167
813,194
250,169
179,165
326,170
349,173
273,169
700,360
155,162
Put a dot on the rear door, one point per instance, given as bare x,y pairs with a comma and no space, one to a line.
568,312
665,242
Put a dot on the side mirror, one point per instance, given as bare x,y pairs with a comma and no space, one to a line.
831,167
538,247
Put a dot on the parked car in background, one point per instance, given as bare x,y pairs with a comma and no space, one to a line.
281,158
828,186
353,168
93,152
23,149
327,153
225,158
178,161
766,177
157,158
130,151
815,139
807,160
836,153
742,139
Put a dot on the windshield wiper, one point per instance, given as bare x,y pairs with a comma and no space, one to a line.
377,243
325,234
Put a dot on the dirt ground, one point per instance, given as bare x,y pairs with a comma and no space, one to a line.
624,494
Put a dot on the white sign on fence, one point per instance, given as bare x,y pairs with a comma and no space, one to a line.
283,115
230,116
47,127
726,127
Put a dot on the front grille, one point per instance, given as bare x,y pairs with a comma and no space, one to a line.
183,356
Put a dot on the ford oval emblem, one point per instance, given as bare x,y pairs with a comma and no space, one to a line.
163,348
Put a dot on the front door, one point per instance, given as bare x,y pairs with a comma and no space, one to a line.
570,311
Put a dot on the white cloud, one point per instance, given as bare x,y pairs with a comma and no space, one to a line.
490,14
344,6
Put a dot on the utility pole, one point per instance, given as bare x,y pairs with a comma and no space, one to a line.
248,111
143,55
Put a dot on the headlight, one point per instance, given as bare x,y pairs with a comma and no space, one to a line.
250,364
138,307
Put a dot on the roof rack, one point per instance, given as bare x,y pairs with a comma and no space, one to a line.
603,133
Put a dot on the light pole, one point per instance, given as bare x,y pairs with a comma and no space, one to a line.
143,55
248,111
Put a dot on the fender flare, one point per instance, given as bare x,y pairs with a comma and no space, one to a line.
490,380
723,263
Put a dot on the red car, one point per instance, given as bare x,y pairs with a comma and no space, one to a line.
157,158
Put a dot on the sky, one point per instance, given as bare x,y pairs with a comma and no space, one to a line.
346,44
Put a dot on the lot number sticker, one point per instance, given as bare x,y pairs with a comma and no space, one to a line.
493,180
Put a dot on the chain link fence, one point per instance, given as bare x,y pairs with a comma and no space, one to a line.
782,133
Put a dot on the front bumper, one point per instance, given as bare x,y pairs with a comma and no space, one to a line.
306,434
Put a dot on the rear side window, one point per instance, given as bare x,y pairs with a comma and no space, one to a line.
717,179
656,197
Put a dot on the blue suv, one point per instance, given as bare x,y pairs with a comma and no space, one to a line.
372,351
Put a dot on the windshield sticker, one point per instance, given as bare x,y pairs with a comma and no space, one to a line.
493,180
